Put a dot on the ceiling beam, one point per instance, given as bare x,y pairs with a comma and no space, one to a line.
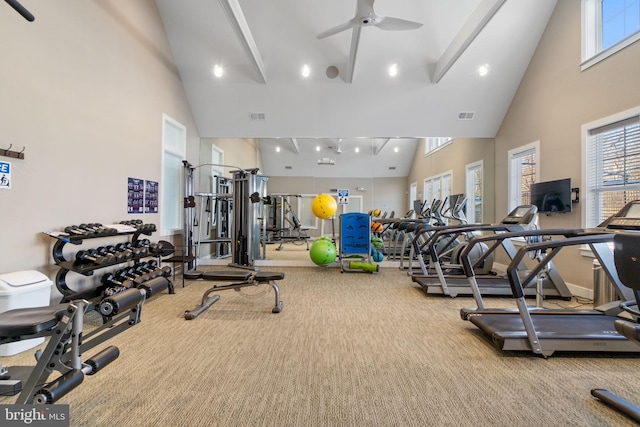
241,28
379,148
355,42
477,21
294,143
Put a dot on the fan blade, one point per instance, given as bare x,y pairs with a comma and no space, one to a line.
396,24
335,30
21,10
364,8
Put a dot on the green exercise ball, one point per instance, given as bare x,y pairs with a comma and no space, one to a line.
323,252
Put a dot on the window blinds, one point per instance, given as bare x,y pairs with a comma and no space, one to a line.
613,168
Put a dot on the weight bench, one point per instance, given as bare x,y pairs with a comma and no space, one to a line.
242,279
64,324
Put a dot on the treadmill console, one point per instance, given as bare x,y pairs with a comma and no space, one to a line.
521,215
628,218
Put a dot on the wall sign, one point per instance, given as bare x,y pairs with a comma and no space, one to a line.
343,196
5,176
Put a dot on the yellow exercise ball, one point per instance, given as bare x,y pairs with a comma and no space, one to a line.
324,206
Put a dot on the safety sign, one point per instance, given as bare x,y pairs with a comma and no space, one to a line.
5,176
343,196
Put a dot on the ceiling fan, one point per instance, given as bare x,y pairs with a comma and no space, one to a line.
366,17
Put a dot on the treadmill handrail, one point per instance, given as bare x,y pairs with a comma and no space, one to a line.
516,283
499,238
433,239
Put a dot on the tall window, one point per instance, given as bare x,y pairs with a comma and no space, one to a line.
174,137
474,173
413,194
523,172
607,27
437,187
217,158
612,165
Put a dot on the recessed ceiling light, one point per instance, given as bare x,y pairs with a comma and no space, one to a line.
393,70
395,150
218,71
483,70
306,71
357,149
277,149
317,148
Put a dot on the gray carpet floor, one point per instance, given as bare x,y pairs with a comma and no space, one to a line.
349,349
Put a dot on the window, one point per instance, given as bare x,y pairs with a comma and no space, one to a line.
607,27
433,144
173,152
437,188
217,158
413,194
611,150
474,173
523,172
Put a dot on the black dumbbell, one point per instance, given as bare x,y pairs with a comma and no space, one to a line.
74,229
142,243
90,256
88,229
111,279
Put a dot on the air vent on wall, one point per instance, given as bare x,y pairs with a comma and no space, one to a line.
288,167
465,115
392,168
257,116
326,161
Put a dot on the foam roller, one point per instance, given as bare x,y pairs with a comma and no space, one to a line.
154,286
59,387
120,302
102,359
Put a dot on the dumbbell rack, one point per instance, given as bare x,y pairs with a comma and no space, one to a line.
86,269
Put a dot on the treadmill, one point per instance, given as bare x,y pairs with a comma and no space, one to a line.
545,331
440,278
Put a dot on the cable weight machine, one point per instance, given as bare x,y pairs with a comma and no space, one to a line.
242,206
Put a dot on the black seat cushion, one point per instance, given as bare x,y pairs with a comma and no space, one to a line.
227,275
30,321
266,276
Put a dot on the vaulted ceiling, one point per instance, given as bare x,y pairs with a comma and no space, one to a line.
349,99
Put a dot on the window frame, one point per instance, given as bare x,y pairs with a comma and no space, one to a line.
442,189
516,176
587,196
180,152
470,170
433,144
592,27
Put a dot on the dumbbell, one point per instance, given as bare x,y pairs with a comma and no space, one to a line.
128,273
89,228
155,249
74,229
122,275
142,243
91,255
111,279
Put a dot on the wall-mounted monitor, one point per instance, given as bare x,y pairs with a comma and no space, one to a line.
552,196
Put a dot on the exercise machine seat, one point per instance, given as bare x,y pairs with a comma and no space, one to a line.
227,275
265,276
30,321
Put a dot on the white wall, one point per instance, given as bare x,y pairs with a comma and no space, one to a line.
83,89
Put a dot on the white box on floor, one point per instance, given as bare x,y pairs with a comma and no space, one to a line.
23,289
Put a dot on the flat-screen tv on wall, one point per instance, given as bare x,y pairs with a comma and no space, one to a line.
552,196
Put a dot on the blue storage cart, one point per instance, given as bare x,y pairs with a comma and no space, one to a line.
355,240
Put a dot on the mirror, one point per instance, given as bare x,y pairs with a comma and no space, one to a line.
373,170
